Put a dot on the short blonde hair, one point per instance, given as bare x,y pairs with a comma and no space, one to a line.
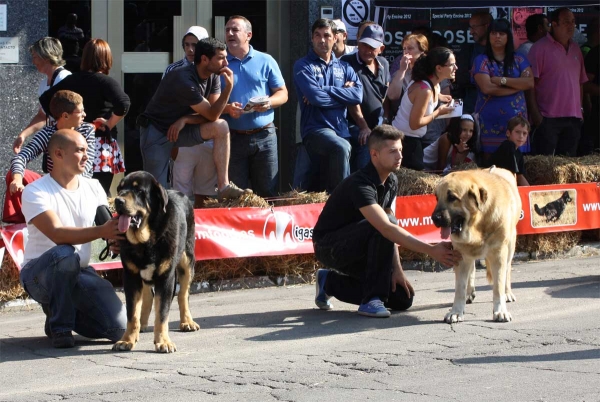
49,49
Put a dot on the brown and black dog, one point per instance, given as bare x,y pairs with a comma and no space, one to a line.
158,251
554,209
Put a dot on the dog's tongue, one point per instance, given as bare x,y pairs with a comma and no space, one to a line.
445,233
124,222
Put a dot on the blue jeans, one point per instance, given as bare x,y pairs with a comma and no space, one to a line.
254,160
326,144
360,153
156,148
305,172
78,299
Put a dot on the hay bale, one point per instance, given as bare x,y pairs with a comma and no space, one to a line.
548,243
541,170
10,288
278,265
244,201
296,197
412,182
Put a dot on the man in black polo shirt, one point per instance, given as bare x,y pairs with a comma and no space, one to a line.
180,114
374,73
357,232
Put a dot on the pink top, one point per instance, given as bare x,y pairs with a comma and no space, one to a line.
560,74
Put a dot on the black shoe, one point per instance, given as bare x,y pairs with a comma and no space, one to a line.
63,340
46,310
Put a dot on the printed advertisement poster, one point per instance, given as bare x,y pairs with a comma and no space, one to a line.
519,16
400,22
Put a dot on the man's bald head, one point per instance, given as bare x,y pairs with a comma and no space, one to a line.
62,139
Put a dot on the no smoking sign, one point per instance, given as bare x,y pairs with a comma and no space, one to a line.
355,11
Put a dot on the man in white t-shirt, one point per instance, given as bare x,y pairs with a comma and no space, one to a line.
59,210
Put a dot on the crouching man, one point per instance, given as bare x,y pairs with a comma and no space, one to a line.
59,210
357,236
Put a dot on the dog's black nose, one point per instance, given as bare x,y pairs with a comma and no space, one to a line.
119,202
436,217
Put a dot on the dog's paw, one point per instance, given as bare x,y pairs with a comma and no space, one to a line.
189,326
502,316
471,297
123,346
453,317
165,347
510,297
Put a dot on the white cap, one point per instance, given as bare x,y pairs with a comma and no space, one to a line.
339,25
197,31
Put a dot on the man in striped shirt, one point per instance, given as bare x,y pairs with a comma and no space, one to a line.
67,108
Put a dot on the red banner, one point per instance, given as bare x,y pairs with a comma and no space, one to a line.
249,232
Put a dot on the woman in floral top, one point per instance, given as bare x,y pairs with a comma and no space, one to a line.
501,76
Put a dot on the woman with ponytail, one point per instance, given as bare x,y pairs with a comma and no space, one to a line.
419,105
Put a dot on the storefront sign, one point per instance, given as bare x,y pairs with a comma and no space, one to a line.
9,50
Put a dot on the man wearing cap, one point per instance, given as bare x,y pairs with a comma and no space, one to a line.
326,86
194,172
374,73
253,135
340,47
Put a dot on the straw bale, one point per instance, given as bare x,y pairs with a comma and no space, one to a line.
296,197
278,265
10,288
548,243
244,201
412,182
540,170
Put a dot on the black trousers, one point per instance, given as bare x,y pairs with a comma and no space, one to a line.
361,262
557,136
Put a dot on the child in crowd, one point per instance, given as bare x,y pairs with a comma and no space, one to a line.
458,145
67,109
508,156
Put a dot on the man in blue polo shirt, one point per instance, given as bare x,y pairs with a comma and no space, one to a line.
374,73
253,137
326,86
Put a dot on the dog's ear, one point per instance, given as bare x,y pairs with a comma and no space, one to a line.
163,198
479,195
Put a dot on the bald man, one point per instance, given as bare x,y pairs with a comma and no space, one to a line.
59,210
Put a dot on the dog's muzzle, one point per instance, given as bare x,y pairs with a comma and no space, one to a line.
448,225
126,220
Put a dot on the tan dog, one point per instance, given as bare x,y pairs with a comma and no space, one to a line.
479,211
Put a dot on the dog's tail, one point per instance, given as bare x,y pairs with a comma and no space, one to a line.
538,210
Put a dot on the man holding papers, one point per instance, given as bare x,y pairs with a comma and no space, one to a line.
253,162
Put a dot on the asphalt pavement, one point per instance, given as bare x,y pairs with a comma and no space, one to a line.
273,344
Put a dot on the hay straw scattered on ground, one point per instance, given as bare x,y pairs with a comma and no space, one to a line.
547,243
540,170
245,201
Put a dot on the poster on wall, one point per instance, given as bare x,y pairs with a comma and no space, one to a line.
519,16
583,16
353,13
9,50
400,22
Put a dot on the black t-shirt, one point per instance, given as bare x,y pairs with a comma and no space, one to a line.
177,92
508,157
374,87
360,189
102,95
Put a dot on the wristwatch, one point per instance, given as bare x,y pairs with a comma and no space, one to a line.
503,81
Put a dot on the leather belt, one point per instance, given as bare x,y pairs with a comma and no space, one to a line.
253,131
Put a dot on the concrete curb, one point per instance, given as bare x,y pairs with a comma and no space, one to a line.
256,282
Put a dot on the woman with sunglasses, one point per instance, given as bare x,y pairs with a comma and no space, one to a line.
419,105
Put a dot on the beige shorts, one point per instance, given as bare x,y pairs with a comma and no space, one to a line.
194,171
